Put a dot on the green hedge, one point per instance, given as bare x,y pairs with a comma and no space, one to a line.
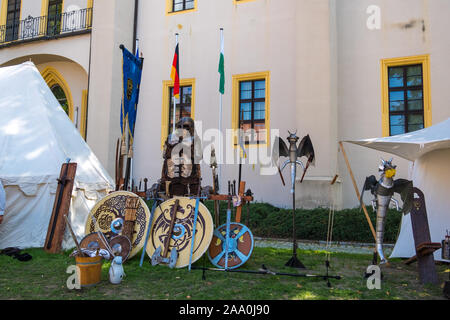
268,221
350,225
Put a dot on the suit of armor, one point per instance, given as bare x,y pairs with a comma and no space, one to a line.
181,169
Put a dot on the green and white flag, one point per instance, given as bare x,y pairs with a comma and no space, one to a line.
222,66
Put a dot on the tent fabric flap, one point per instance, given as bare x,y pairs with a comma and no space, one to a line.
36,139
411,146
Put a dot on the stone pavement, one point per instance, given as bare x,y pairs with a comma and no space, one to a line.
347,247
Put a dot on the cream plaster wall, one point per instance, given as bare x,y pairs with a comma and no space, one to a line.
75,48
409,28
112,26
293,41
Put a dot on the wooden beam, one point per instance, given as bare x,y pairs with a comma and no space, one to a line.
225,197
358,195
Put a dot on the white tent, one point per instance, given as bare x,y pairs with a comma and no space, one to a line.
36,138
430,150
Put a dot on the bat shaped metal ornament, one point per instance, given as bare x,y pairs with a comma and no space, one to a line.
294,153
383,191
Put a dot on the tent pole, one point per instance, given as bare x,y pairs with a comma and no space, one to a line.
358,195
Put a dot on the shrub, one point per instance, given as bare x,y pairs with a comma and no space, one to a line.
350,225
268,221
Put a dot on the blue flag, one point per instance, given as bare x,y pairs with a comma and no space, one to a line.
132,72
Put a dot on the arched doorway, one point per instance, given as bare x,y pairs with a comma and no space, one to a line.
59,94
60,89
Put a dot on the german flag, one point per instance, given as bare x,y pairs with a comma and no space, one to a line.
175,74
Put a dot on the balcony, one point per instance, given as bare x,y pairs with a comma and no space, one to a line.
45,27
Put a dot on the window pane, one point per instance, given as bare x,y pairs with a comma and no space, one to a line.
415,119
397,124
246,85
246,111
260,84
189,4
177,5
260,94
396,95
186,95
414,71
246,90
260,115
415,94
260,111
415,105
415,122
414,81
396,72
246,107
395,82
185,112
395,77
397,106
61,97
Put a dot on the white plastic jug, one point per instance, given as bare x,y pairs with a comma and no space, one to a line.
116,272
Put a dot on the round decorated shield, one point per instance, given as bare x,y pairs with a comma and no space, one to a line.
181,237
92,242
240,246
111,209
121,246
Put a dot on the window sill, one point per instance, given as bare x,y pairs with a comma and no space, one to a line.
181,11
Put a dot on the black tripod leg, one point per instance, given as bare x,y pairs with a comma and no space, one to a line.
294,262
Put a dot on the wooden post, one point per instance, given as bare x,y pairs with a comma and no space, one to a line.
239,208
57,224
131,206
358,195
422,240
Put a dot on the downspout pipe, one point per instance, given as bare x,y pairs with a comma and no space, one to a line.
136,11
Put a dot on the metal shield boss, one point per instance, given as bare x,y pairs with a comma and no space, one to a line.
92,242
240,246
112,208
181,237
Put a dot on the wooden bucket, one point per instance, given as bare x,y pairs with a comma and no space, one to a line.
90,270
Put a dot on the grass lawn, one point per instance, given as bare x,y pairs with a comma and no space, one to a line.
44,277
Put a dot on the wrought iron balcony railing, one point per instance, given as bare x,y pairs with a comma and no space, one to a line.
46,26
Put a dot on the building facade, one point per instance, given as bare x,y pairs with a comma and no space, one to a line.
334,69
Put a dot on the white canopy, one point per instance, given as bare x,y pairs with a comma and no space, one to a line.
412,146
36,138
429,148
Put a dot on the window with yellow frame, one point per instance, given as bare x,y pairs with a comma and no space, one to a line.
60,89
406,98
179,6
10,15
251,107
184,106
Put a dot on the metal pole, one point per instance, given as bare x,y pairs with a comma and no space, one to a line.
220,117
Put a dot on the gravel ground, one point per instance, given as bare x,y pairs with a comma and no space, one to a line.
348,247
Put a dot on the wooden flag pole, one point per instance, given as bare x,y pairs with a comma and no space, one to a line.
358,195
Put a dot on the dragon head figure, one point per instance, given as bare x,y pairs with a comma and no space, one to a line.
387,168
